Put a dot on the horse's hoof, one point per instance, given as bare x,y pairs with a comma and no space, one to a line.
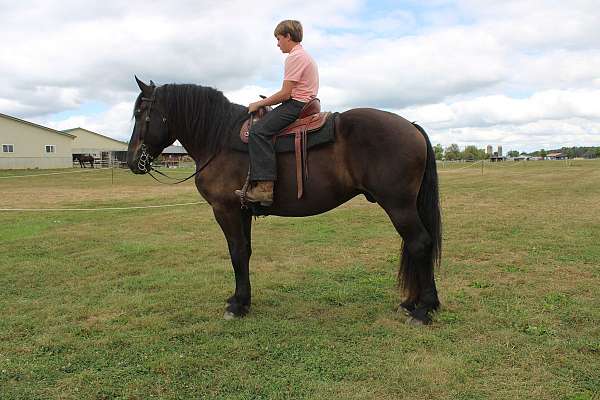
407,307
403,310
228,315
414,322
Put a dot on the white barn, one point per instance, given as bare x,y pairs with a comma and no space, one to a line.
28,145
102,147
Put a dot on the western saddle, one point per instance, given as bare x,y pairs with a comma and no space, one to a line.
311,119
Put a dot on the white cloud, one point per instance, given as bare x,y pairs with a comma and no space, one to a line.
115,122
550,117
495,110
468,70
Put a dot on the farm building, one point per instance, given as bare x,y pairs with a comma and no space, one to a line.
29,145
103,148
556,156
172,156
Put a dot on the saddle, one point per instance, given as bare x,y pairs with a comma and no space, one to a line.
311,119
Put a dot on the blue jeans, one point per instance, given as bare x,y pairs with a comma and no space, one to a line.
263,163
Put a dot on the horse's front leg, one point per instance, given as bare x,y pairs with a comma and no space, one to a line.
236,225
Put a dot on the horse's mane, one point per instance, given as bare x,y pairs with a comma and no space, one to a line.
204,116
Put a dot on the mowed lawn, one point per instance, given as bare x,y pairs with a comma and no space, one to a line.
128,304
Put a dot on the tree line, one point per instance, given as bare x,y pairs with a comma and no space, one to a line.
571,152
453,152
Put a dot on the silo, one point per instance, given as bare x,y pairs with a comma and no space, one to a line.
499,151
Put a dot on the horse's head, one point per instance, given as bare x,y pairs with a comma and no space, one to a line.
151,130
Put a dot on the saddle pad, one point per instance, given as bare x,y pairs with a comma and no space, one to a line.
285,144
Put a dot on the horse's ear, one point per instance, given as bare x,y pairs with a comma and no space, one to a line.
143,87
152,83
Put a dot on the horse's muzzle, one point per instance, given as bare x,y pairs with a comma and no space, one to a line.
141,164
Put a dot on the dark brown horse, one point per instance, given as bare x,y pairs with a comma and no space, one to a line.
375,153
83,158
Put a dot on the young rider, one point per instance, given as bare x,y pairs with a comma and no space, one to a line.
300,84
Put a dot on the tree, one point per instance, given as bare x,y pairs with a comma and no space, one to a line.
473,153
452,152
543,153
570,152
513,153
439,151
589,154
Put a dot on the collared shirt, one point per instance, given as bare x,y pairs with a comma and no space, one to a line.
302,69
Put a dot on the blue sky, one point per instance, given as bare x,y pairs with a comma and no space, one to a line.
521,74
87,108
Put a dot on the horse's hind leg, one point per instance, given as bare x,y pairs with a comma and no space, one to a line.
416,268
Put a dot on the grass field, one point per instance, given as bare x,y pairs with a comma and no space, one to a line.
128,304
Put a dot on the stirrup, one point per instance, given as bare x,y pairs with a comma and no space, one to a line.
244,203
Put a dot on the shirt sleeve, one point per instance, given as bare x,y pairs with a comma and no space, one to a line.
293,69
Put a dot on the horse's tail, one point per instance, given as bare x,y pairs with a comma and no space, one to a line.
428,207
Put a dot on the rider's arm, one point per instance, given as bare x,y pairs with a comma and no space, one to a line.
282,95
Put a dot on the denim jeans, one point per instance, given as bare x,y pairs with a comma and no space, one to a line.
263,163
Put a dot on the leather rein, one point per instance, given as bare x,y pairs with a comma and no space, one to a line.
145,160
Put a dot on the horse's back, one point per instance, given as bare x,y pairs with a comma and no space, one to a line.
381,145
374,151
377,126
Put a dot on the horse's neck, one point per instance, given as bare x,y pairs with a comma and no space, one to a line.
187,138
193,149
195,144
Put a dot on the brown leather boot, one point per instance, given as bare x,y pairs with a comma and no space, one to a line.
261,192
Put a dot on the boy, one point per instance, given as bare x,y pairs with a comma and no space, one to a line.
300,84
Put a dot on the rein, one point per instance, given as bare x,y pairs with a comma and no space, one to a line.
183,180
145,164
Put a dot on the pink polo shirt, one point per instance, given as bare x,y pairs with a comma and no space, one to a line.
302,69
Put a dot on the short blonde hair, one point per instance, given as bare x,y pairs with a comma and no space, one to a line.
290,27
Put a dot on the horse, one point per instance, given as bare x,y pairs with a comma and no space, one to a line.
375,153
83,158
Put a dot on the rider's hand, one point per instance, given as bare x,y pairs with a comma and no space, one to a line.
253,107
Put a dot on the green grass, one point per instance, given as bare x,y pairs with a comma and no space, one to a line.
128,304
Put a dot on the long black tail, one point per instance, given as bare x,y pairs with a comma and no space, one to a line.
428,206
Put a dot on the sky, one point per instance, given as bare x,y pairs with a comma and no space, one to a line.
521,74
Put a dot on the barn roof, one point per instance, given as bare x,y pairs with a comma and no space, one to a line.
174,150
94,133
22,121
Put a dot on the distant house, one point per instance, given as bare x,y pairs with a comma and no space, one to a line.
103,148
172,156
28,145
556,156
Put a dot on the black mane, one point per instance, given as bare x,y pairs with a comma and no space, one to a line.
202,117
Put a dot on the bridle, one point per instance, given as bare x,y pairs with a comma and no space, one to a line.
145,160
